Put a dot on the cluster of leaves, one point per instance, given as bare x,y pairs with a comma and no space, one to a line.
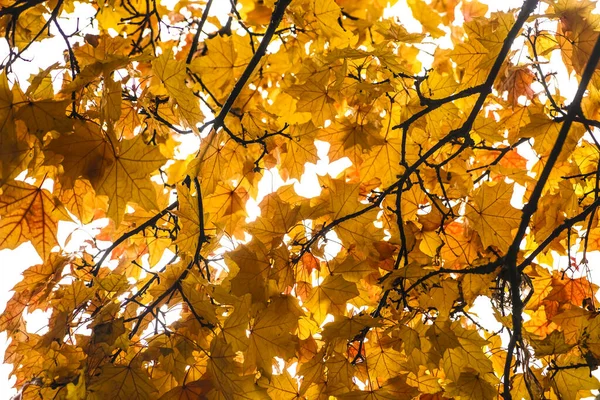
181,294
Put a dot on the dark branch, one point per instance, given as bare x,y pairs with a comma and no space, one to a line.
514,274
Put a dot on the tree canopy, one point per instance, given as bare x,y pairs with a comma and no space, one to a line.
469,172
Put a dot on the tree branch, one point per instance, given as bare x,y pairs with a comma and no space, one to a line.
276,18
151,222
514,274
194,45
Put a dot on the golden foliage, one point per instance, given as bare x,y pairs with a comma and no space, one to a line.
225,259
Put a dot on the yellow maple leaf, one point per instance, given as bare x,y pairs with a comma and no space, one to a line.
250,269
127,177
123,382
225,59
471,385
429,19
29,213
328,14
573,383
493,216
330,296
313,96
87,153
172,74
271,334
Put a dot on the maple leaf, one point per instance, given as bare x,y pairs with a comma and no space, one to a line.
283,386
18,147
81,201
225,59
476,55
552,344
299,150
172,74
32,291
517,82
111,100
430,19
493,216
394,389
87,153
327,13
250,270
573,383
471,386
226,206
231,385
188,391
189,220
457,361
42,116
279,217
333,292
219,159
30,213
578,27
271,334
313,96
127,177
6,100
545,130
351,139
344,199
123,382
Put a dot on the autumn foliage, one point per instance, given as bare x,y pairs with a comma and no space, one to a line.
471,174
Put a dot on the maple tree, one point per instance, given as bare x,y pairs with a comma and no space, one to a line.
471,175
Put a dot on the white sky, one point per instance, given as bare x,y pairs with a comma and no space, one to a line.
50,51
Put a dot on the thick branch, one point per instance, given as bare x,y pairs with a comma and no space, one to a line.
514,274
194,45
258,55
